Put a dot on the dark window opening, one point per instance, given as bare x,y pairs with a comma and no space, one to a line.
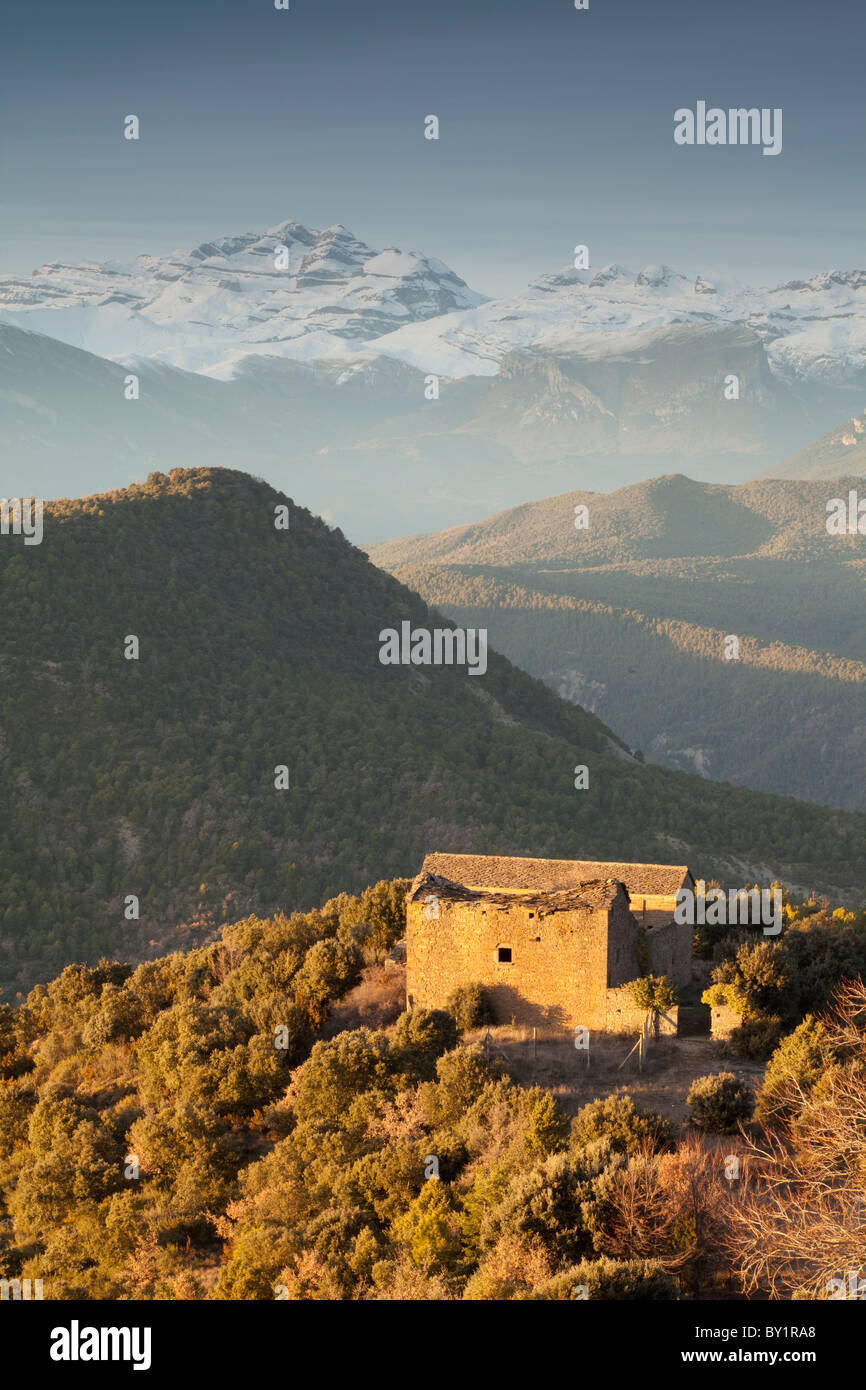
503,955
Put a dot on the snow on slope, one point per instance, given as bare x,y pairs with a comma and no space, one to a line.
814,329
209,308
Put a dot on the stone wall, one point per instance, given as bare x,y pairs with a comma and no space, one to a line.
670,947
651,910
622,964
723,1020
563,962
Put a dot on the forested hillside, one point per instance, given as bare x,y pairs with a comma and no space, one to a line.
629,617
222,1124
154,778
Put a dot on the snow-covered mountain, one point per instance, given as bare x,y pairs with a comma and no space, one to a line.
309,366
811,329
334,298
290,292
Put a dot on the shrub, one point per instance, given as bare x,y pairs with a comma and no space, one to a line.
756,1038
547,1123
754,982
328,971
618,1119
469,1008
420,1038
336,1071
555,1204
380,911
256,1256
719,1102
17,1100
461,1076
513,1268
429,1228
798,1063
334,1235
610,1279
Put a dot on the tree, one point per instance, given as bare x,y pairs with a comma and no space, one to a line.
655,993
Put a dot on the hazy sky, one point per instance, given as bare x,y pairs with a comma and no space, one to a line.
556,128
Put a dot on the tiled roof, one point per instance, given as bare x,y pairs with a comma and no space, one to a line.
552,875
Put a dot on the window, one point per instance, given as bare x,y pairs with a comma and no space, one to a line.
503,955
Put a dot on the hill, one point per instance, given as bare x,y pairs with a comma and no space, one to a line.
842,450
629,617
155,778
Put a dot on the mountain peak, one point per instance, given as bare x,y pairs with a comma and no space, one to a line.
609,273
660,277
206,308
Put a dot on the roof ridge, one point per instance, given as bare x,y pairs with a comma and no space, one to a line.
528,873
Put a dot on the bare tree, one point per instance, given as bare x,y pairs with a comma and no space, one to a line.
801,1222
668,1207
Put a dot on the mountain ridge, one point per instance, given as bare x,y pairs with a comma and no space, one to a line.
630,617
335,296
287,288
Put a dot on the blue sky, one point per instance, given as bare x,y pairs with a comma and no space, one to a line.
556,128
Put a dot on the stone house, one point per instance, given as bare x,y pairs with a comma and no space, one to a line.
551,941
